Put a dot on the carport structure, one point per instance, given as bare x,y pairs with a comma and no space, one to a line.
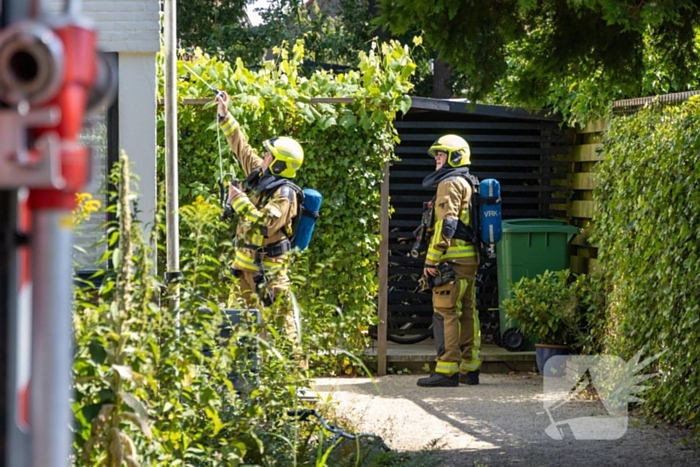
528,153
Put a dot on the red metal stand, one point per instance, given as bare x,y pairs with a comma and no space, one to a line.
48,68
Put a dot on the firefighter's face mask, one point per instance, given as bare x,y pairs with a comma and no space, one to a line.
440,159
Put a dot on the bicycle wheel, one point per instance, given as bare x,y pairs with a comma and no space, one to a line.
408,338
406,326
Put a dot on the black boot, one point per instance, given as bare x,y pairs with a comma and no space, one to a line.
440,380
471,378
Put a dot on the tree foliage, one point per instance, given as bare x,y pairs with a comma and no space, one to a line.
209,24
647,227
333,32
572,56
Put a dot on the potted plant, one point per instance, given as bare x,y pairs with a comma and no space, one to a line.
547,307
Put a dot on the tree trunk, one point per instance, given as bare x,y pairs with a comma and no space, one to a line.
441,78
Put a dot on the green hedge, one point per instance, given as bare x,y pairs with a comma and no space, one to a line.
346,147
647,225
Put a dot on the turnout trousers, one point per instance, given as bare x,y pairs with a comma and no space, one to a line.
456,323
283,317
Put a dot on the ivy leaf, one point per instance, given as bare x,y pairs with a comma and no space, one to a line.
379,117
348,120
328,122
405,104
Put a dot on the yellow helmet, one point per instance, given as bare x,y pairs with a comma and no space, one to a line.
287,156
456,148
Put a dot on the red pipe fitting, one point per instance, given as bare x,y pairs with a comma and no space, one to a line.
80,72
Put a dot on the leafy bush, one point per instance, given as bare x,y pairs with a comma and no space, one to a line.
160,387
346,146
545,307
153,386
647,226
559,309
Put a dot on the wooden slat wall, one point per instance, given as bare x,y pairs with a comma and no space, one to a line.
530,158
581,209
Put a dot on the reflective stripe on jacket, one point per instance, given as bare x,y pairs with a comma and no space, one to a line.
451,204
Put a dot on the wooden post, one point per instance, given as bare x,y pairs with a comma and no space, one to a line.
383,274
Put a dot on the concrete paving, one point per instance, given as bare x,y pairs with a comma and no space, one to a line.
414,357
500,422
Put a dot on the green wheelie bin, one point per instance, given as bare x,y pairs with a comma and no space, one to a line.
528,247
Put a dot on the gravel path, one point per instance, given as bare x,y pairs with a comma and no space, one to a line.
500,422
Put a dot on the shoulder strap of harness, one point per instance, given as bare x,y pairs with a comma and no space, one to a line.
290,190
468,232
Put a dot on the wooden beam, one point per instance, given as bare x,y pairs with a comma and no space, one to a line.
383,275
588,152
586,252
585,209
592,138
596,126
312,100
583,181
587,166
578,265
582,239
332,100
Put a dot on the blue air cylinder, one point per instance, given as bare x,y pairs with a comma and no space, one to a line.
490,210
309,214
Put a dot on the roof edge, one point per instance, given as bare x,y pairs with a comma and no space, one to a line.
462,106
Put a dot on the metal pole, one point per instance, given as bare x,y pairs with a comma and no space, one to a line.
52,338
383,274
9,346
15,301
172,273
19,341
51,200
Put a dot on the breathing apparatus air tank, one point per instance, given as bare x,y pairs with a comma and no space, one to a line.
309,214
490,211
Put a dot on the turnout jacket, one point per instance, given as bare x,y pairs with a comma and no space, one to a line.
451,204
264,218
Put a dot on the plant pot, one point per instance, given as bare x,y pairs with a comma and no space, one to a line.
544,352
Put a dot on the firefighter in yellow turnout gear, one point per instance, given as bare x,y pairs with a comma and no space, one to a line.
265,218
458,358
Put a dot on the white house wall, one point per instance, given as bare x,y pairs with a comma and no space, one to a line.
137,123
126,25
123,25
131,28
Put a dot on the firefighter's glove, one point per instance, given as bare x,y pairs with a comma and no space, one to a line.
445,275
227,212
